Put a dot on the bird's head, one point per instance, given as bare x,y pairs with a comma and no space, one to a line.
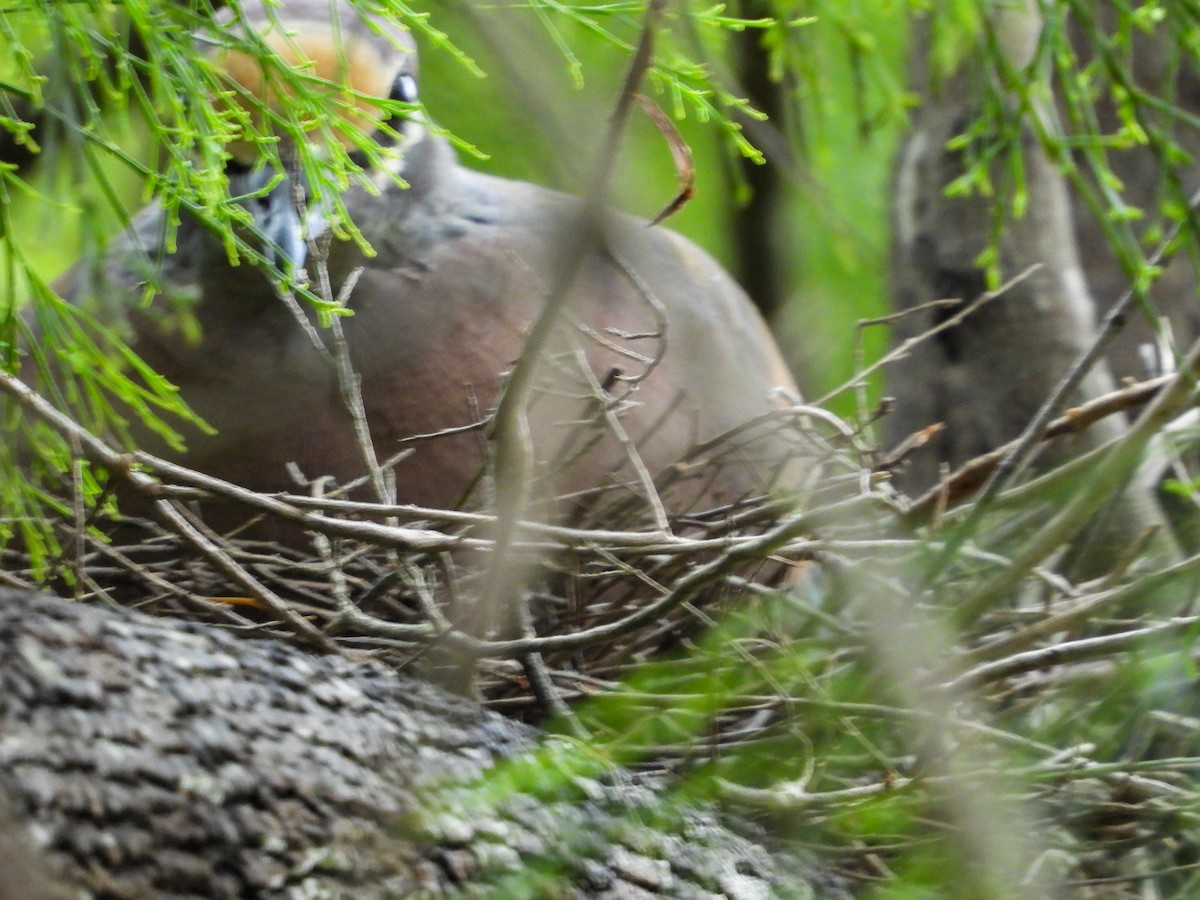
308,79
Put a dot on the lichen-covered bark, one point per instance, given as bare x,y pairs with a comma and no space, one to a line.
156,758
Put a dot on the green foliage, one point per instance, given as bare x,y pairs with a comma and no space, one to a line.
850,108
875,751
114,87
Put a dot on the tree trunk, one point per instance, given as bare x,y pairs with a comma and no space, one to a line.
151,757
986,377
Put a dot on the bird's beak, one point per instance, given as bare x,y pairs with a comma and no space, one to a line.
284,217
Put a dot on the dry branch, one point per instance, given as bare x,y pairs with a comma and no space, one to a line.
971,477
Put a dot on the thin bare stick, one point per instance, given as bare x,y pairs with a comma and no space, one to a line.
662,522
657,310
1101,647
1085,610
907,345
276,605
350,383
123,465
339,356
510,427
1112,469
99,452
970,476
681,155
753,549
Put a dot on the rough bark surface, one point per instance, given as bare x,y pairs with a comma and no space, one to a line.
151,757
987,376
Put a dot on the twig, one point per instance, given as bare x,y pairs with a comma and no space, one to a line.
123,465
99,452
338,357
612,420
1083,611
910,343
971,476
1117,461
1070,652
754,549
382,480
276,605
681,154
542,684
509,431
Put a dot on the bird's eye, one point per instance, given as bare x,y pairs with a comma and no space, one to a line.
404,89
235,168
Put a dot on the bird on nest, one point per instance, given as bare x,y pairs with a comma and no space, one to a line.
656,355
